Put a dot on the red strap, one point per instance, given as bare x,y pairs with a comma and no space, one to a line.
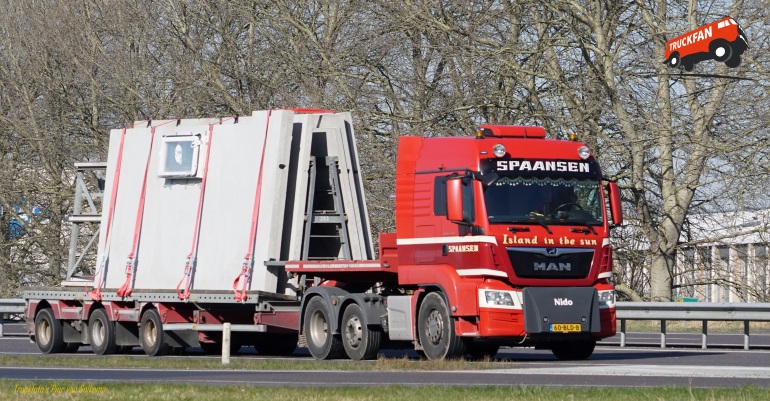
126,288
189,266
248,263
96,295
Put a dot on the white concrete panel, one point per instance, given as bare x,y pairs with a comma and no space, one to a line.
136,149
356,184
169,218
272,205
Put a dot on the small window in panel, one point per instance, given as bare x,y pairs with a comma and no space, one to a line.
179,156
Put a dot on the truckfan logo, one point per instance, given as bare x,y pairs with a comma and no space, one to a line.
562,302
721,40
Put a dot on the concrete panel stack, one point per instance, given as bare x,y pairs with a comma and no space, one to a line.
158,215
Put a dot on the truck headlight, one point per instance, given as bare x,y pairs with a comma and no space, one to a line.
584,152
499,150
607,299
499,298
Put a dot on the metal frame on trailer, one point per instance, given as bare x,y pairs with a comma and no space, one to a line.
84,194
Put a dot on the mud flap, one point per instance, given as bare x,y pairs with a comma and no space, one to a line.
561,310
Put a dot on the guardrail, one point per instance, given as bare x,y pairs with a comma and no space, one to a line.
10,306
692,311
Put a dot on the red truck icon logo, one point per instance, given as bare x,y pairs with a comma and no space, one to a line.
721,40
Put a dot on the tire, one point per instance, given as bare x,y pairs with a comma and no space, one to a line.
49,332
437,330
674,60
151,335
360,341
101,333
480,351
733,62
276,344
720,50
321,341
573,350
688,66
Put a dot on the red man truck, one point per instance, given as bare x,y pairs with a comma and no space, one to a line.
722,40
502,239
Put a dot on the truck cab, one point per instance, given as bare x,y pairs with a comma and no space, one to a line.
513,230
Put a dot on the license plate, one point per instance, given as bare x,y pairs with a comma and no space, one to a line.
566,327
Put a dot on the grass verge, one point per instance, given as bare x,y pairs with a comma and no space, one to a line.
141,361
46,390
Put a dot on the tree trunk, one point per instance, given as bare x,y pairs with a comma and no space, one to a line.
660,276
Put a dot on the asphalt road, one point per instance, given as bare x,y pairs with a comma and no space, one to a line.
642,365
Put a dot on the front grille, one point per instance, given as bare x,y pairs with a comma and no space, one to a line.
564,263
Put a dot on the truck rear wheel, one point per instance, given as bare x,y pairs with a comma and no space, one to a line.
49,333
573,350
101,333
360,341
437,330
321,341
151,334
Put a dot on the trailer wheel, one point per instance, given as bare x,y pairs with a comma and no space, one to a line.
573,350
101,333
321,341
360,342
276,344
437,330
49,333
151,334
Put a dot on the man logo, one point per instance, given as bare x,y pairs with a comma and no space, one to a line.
552,251
560,267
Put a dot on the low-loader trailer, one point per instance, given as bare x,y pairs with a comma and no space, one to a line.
502,239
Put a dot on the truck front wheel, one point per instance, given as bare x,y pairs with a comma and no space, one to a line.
321,340
437,330
573,350
360,341
49,333
101,333
151,334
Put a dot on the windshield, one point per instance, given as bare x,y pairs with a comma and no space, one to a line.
539,200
